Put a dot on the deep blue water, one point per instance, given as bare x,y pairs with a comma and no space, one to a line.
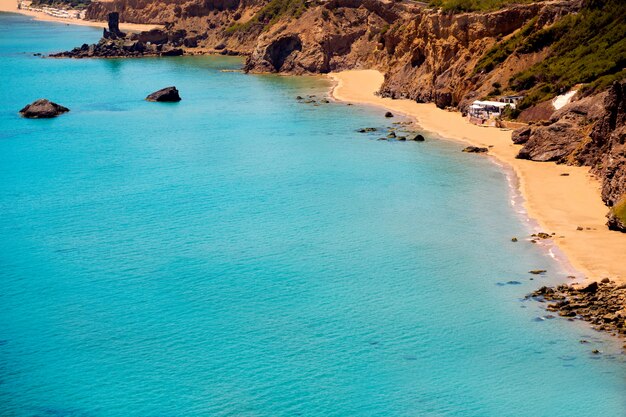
241,254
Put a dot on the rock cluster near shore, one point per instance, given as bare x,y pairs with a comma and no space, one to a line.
603,304
117,44
475,149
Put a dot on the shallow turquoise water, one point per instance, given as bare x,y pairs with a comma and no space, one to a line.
240,254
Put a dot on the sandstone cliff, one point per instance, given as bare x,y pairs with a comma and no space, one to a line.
590,132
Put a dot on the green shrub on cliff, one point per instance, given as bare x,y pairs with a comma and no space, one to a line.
583,48
501,51
61,4
619,210
461,6
271,13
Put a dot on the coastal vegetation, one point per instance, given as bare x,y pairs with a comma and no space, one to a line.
271,13
619,210
74,4
583,48
460,6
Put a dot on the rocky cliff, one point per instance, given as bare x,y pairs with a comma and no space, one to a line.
426,54
590,132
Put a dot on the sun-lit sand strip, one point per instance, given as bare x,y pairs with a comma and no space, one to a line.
11,6
559,204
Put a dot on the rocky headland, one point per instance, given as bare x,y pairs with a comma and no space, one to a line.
117,44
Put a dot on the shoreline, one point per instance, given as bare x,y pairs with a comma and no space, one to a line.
552,203
10,6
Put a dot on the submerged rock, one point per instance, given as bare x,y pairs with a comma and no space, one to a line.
418,138
389,114
43,109
167,94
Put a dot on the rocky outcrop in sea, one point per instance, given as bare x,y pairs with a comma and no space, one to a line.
43,109
167,94
603,304
117,44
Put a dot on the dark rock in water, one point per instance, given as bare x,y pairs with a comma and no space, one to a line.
43,109
389,114
418,138
298,97
513,239
168,94
114,43
391,135
401,138
602,304
537,271
367,129
502,284
475,149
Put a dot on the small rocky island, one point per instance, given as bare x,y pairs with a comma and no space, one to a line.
117,44
43,109
167,94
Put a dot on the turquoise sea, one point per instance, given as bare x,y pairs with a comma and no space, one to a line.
243,254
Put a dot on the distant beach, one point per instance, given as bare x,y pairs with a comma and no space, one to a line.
559,203
10,6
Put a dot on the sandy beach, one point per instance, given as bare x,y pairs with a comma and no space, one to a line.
559,204
11,7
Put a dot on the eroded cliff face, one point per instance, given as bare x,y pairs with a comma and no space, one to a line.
590,132
426,55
